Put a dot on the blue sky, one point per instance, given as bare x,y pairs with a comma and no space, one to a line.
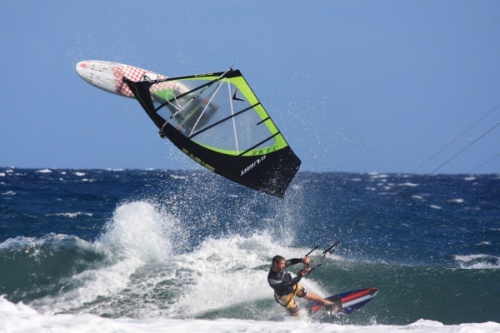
356,86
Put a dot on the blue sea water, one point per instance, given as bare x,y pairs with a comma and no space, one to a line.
158,251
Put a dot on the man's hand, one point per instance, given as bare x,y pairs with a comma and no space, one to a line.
305,270
306,260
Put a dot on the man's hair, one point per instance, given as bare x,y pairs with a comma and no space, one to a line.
278,259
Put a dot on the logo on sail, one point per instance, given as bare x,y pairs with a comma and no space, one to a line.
253,165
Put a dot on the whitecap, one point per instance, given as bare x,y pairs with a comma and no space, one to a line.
378,176
478,261
9,193
409,184
174,176
44,171
72,215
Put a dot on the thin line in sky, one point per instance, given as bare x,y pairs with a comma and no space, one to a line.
461,151
455,139
484,163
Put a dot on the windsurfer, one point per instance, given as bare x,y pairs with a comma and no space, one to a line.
286,288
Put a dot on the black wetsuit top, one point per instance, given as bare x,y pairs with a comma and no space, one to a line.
282,282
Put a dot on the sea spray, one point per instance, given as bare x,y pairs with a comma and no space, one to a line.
138,230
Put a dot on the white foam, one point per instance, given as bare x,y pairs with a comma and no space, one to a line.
33,242
173,176
44,171
458,200
71,215
218,264
9,193
140,230
378,176
478,261
22,318
409,184
436,207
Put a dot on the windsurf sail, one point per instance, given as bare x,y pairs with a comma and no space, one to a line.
218,121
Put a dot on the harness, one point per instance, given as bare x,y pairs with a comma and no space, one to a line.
285,305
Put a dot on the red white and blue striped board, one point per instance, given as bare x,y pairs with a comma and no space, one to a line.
351,301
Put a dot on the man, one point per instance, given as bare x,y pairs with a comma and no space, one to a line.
286,288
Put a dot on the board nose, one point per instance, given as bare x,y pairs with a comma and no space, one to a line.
80,68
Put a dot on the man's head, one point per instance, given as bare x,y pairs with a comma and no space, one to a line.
278,263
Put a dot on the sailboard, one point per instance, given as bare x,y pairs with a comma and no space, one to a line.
215,119
348,302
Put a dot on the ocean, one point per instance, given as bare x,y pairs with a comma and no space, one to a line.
189,251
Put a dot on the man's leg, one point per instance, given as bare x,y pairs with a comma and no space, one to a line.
314,297
289,302
303,293
334,306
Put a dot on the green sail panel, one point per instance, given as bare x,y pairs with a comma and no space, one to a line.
218,121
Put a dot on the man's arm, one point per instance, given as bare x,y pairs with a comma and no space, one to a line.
294,261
